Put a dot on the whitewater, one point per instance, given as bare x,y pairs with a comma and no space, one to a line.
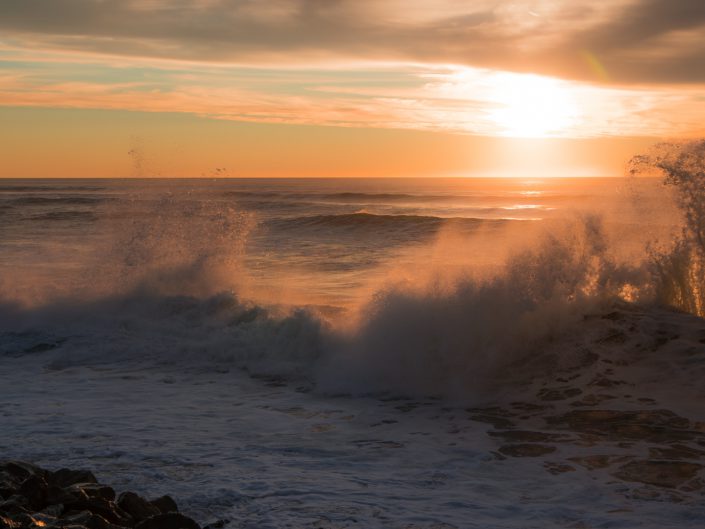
416,353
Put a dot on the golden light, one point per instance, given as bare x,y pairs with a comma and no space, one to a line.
531,106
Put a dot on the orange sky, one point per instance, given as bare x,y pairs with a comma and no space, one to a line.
344,88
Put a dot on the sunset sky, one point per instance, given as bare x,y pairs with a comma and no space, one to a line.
108,88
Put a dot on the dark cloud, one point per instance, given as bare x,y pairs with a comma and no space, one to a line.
627,42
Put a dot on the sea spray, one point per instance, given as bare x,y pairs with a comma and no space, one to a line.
679,267
169,282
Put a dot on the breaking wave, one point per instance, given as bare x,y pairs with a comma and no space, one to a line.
370,221
174,296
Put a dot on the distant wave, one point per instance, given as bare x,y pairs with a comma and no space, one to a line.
65,215
364,220
384,197
389,198
45,188
64,200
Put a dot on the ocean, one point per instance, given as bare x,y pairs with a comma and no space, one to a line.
411,353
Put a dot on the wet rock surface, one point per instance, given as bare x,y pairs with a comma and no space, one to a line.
588,417
33,498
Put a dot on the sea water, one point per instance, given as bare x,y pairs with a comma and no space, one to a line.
312,352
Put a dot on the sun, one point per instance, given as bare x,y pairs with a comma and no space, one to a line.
532,106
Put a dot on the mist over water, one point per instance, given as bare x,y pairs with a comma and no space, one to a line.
282,352
406,286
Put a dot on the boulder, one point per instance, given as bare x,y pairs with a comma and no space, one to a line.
137,507
14,505
172,520
34,488
107,509
93,490
165,504
57,495
65,478
7,523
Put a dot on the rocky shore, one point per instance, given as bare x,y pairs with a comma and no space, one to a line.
33,498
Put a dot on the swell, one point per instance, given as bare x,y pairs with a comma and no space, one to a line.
44,188
370,221
362,198
48,201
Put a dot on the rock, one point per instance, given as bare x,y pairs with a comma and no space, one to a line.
34,488
137,507
7,523
558,393
14,505
165,504
656,426
107,509
526,450
33,498
77,518
669,474
21,471
558,468
218,524
93,490
43,519
598,461
172,520
54,510
57,495
65,478
526,436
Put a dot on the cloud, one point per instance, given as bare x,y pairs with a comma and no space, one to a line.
443,98
636,41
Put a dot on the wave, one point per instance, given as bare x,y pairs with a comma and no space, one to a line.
77,216
370,221
679,265
44,188
63,200
388,198
177,299
426,338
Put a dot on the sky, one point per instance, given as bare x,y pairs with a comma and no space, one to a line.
296,88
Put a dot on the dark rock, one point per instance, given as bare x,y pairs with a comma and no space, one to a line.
558,468
88,520
14,505
656,426
218,524
43,519
594,462
25,520
8,484
65,478
93,490
57,495
107,509
165,504
172,520
34,488
526,450
20,470
137,507
7,523
558,393
32,498
98,522
669,474
54,510
525,436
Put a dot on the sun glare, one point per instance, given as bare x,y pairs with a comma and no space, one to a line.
531,106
